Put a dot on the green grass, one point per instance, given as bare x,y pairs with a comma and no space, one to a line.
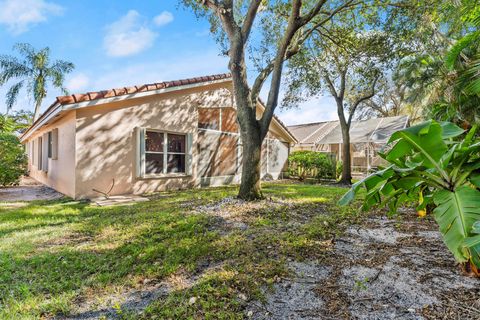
56,254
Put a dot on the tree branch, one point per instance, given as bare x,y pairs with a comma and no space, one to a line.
362,99
272,101
343,83
312,13
249,19
296,21
333,91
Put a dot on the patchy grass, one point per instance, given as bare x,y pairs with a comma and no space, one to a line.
56,255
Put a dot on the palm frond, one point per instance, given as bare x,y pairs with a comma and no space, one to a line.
463,43
11,67
12,94
26,50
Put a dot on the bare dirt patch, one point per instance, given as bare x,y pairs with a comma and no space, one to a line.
377,271
28,190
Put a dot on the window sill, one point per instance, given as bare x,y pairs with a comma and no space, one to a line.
164,176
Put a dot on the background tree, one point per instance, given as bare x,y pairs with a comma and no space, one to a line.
351,58
33,70
389,101
439,76
13,160
273,32
346,65
17,122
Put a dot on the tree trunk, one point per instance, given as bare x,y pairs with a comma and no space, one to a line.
251,166
36,115
347,160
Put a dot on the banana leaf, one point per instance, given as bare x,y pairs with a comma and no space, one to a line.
456,213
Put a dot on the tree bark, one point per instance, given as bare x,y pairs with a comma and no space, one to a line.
36,115
251,166
346,156
253,131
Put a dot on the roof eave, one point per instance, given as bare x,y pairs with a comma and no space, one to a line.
57,107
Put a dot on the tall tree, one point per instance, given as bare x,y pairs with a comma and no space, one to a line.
273,31
33,70
346,65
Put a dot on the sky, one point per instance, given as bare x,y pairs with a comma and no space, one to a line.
116,43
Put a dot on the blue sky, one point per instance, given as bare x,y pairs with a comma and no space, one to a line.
119,43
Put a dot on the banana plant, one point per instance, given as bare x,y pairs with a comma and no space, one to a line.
434,164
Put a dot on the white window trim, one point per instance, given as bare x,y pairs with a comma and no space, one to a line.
141,154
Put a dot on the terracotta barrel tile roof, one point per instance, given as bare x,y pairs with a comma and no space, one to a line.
75,98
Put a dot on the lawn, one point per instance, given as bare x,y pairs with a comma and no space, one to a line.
64,257
203,254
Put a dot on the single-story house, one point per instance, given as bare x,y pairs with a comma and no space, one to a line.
367,137
148,138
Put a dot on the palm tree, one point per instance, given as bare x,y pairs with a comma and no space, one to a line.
33,71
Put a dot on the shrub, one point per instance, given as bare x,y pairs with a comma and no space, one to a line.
13,161
435,165
311,164
339,169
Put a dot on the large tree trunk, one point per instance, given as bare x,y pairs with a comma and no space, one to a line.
346,156
250,128
251,166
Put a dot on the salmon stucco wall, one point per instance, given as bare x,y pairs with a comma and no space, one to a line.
106,138
61,172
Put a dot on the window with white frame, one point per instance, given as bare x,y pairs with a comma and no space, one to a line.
164,152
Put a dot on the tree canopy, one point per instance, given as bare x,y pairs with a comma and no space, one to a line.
34,71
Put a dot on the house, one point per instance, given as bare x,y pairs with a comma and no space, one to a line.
367,137
148,138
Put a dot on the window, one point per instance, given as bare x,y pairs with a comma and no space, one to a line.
154,143
176,153
50,144
164,153
39,153
34,154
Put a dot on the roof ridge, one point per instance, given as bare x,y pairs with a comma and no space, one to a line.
326,132
310,123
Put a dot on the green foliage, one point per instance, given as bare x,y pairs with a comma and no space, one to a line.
310,163
339,169
54,254
13,161
442,76
34,71
17,122
433,164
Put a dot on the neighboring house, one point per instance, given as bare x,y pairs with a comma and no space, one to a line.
367,137
155,137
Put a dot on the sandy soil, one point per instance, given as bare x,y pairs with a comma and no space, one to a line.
380,270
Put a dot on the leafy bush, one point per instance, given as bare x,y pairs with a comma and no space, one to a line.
311,164
13,161
339,169
433,164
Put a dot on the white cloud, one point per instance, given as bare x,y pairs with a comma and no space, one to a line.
163,18
128,36
78,83
20,15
